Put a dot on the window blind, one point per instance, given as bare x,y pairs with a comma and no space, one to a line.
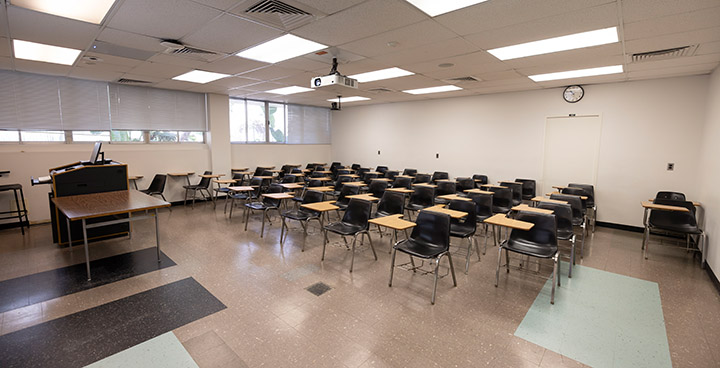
308,125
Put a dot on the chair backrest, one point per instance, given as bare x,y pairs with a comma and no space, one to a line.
355,166
157,186
296,170
310,166
467,207
402,182
577,192
483,178
237,176
502,197
673,219
335,165
423,196
439,175
589,189
368,177
575,203
563,214
432,229
381,169
272,202
289,179
391,174
464,184
528,188
317,174
410,172
483,204
358,213
543,234
516,190
347,190
258,171
377,188
315,183
445,187
422,178
340,180
392,203
205,182
670,195
343,172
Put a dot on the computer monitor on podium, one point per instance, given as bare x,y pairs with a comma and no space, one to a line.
97,157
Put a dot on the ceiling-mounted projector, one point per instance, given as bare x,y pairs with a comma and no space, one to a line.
334,82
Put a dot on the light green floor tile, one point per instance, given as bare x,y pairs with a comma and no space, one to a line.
164,351
600,319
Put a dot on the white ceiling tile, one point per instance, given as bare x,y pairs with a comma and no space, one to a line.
270,73
599,17
178,60
637,10
515,82
708,48
41,68
497,14
174,84
3,22
49,29
103,66
436,51
159,70
147,78
330,7
503,75
695,20
414,35
304,63
230,34
476,62
403,83
585,80
300,79
5,63
262,87
170,19
233,65
673,72
504,89
115,60
669,41
232,82
131,40
351,24
94,74
569,57
674,62
4,47
565,65
224,4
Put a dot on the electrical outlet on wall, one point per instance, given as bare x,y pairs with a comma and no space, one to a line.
670,166
437,155
378,152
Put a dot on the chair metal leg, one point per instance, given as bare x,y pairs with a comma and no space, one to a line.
486,237
325,241
452,269
352,257
437,272
467,257
497,270
477,247
247,217
392,266
185,200
555,276
372,247
17,204
282,228
572,256
582,242
507,261
646,241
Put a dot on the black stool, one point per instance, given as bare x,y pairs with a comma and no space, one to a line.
20,212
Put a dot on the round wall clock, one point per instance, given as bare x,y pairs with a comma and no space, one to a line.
573,94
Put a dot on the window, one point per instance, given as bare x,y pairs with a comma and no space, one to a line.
289,124
163,136
9,136
90,136
42,136
127,136
194,137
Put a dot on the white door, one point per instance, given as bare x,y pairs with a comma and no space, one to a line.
572,147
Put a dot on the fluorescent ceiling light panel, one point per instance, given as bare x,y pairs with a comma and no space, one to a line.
46,53
381,74
282,48
349,99
422,91
200,76
92,11
569,42
437,7
288,90
578,73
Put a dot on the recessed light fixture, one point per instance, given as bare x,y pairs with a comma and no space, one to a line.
562,43
349,99
200,76
436,7
289,90
46,53
614,69
422,91
381,74
92,11
282,48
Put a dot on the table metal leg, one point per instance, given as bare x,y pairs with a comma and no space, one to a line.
157,235
87,252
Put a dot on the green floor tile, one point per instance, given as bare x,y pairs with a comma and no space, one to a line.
164,351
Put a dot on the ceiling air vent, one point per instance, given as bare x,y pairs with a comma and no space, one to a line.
286,15
664,54
132,81
380,90
468,79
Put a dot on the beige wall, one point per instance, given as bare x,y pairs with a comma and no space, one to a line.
710,173
646,124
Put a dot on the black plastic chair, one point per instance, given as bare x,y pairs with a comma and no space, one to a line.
391,203
157,186
245,196
540,242
464,184
422,197
266,205
353,223
382,170
258,171
443,188
577,192
563,216
377,188
528,188
368,177
204,184
483,179
439,175
466,227
410,172
339,183
345,191
578,215
502,199
670,195
391,174
483,211
355,167
302,214
287,179
403,182
517,188
343,172
430,239
422,178
675,222
590,203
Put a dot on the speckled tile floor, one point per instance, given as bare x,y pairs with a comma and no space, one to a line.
272,320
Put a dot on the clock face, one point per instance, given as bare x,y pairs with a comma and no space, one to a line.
573,94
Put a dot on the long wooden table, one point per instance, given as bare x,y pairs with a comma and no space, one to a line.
87,206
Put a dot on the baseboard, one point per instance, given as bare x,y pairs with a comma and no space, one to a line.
10,225
635,229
